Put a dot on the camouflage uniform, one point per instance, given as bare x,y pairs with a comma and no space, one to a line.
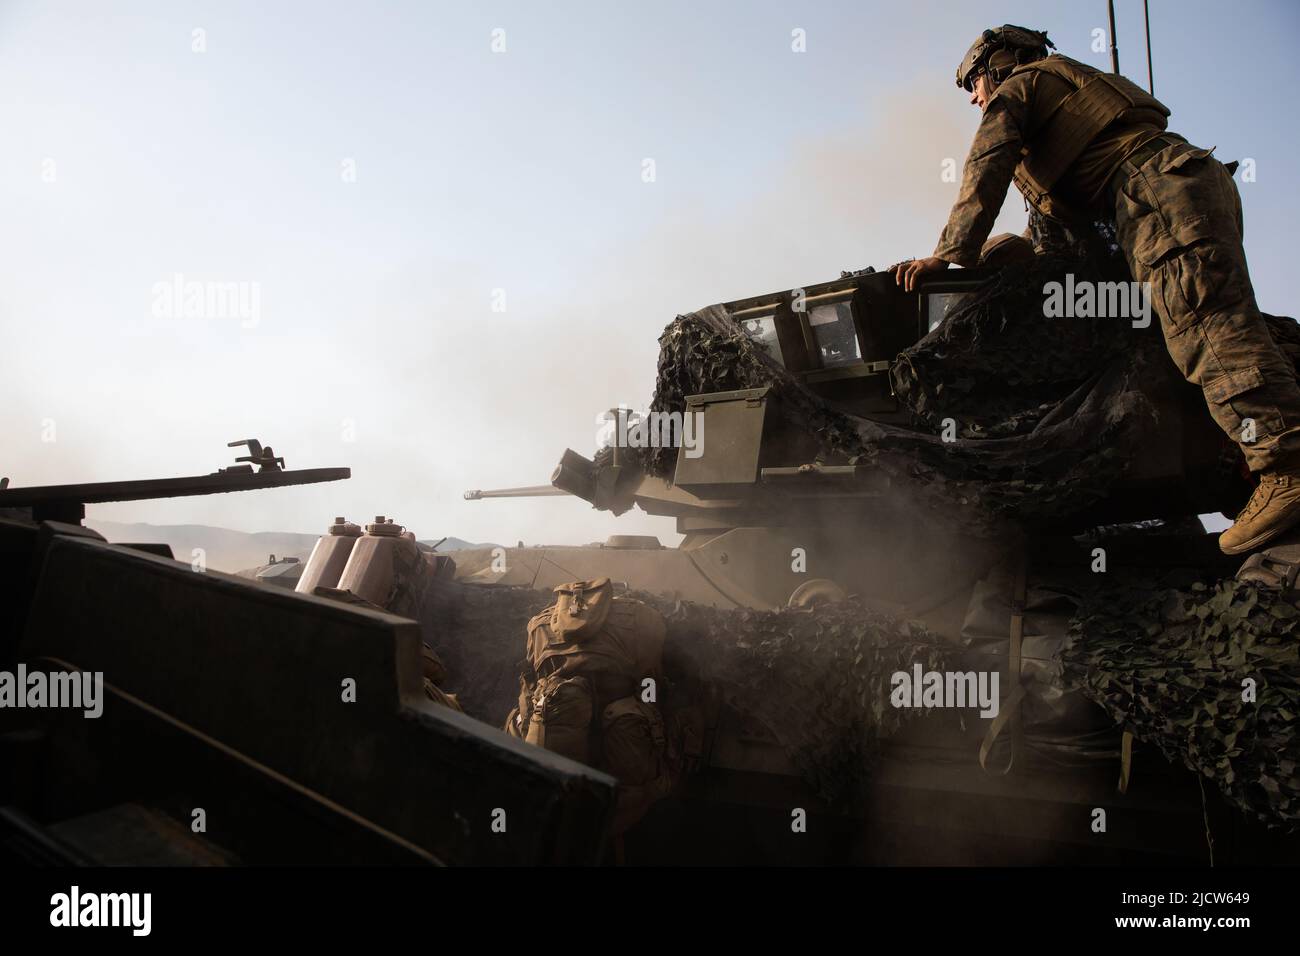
1178,218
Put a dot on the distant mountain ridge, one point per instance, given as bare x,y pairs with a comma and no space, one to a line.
226,550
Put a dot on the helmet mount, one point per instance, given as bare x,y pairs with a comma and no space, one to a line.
1020,44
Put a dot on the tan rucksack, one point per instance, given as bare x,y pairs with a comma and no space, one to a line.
580,609
589,650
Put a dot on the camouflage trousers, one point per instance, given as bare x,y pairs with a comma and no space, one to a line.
1178,216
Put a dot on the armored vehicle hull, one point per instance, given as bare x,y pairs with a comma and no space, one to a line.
156,712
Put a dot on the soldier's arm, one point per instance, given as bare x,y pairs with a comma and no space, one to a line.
987,174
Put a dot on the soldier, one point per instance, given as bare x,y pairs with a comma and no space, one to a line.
1083,146
435,672
590,655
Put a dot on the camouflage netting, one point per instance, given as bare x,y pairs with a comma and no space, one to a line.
1049,411
1170,666
819,679
1167,664
976,369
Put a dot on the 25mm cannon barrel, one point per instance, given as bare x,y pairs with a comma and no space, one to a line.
529,491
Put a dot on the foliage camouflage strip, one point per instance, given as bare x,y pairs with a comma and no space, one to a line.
1170,666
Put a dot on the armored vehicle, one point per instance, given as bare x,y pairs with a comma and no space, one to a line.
279,572
770,518
758,489
218,720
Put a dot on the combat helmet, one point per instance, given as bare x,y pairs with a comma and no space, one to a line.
1017,44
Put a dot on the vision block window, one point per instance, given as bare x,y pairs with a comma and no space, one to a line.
761,330
834,332
939,305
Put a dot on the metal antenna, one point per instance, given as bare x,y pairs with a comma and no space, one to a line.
1151,80
1114,47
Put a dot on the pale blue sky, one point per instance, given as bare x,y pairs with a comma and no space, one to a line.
478,171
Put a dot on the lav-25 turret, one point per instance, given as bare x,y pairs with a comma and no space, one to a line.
770,519
758,489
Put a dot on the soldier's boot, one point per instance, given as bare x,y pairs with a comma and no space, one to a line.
1272,509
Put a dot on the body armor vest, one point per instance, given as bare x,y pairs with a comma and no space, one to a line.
1061,136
